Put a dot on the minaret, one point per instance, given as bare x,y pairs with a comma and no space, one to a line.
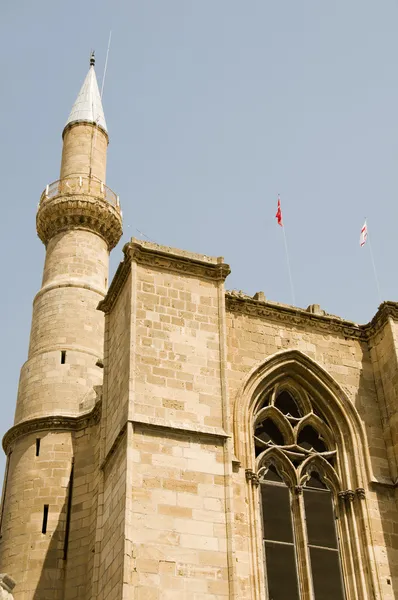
79,221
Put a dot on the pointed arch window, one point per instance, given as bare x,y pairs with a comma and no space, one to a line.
296,451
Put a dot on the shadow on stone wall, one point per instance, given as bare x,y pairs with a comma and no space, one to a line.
367,405
51,583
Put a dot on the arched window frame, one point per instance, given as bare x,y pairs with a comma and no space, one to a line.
296,373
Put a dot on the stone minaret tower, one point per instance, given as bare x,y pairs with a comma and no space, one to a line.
79,220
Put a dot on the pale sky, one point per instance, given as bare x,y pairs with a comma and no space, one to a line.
213,108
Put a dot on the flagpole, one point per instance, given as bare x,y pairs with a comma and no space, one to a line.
280,222
374,266
288,266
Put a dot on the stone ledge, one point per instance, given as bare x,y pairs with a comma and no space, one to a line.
52,423
164,425
188,428
69,284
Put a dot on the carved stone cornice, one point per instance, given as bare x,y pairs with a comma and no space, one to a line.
296,317
386,310
79,211
163,258
52,423
185,263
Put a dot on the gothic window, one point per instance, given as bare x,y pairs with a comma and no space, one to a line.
296,456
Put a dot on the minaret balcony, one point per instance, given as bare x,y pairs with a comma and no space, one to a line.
79,202
80,185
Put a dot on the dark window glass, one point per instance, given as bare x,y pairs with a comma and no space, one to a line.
281,571
45,518
286,404
326,574
315,482
272,474
276,513
320,518
268,432
309,438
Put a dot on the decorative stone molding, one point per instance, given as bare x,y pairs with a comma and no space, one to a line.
347,496
52,423
79,211
184,263
7,584
360,492
298,489
241,303
252,477
164,258
189,428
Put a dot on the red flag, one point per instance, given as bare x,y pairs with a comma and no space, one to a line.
279,214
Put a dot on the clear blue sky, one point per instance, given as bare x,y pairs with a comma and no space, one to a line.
213,107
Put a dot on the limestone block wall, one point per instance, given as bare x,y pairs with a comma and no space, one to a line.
177,349
178,516
34,558
47,387
383,349
112,523
82,541
84,151
346,355
67,333
77,256
164,429
117,357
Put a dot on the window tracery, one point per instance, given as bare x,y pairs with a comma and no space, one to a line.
296,457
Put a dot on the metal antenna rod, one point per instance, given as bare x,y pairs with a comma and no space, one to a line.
106,63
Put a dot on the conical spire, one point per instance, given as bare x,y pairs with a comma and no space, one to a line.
88,106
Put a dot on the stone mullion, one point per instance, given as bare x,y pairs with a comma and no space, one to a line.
347,559
362,593
256,536
301,544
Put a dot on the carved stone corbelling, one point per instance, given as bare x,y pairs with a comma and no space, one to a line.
7,585
53,423
297,317
161,259
360,492
79,211
347,496
298,489
252,477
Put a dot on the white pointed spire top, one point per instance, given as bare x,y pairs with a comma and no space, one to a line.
88,106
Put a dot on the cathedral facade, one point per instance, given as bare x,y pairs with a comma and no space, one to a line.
173,440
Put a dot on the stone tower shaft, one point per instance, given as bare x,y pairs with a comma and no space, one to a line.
79,220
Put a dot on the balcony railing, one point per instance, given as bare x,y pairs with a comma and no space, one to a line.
80,185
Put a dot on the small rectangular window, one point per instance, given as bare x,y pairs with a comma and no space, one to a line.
63,357
37,446
45,518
